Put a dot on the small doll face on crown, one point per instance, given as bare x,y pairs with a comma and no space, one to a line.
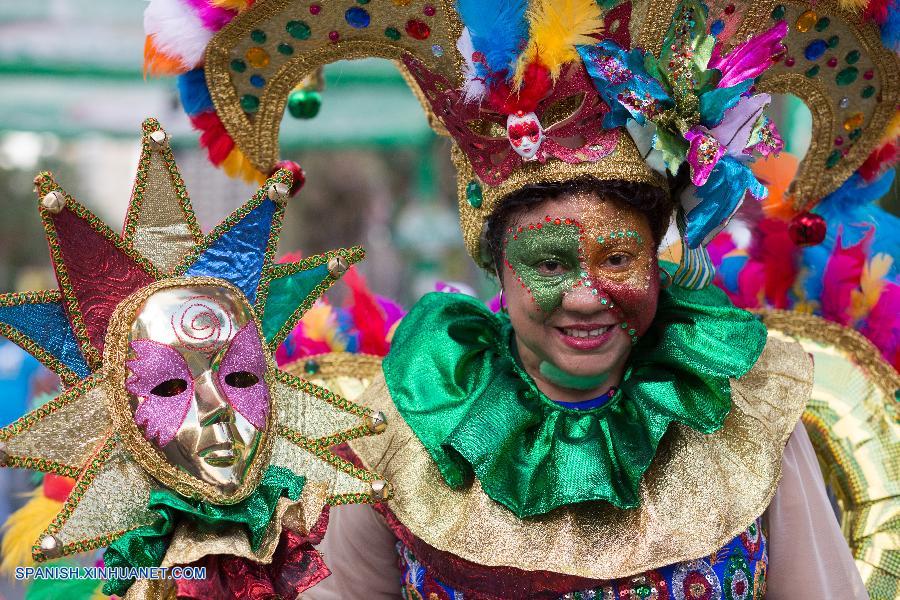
196,381
525,133
581,284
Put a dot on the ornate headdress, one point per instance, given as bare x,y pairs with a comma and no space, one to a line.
164,339
545,91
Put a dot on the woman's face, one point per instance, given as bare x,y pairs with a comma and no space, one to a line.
581,281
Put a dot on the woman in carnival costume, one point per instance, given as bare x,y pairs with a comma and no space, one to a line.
186,444
620,430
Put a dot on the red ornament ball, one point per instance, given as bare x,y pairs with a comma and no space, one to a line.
807,229
296,170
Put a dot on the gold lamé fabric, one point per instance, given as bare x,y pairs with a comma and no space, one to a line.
68,435
699,493
161,233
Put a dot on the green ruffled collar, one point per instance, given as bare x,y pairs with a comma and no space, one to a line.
455,381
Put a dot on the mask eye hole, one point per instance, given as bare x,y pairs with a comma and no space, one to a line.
241,379
169,388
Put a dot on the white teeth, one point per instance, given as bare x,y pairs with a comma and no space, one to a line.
581,333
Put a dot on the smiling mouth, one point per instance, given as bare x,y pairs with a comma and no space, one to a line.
585,333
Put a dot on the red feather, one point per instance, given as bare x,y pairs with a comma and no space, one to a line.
877,10
880,158
536,84
213,136
369,320
774,249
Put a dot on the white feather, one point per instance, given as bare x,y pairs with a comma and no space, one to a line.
177,31
740,233
473,88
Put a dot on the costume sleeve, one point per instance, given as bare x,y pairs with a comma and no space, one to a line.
808,555
360,551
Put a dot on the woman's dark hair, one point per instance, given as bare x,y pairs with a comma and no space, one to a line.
651,201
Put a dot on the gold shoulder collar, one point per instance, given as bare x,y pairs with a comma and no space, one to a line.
699,493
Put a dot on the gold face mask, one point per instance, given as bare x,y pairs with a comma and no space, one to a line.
195,380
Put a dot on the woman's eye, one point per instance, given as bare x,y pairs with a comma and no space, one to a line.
169,388
618,260
241,379
551,267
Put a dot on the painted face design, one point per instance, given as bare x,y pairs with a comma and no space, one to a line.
525,133
581,282
197,381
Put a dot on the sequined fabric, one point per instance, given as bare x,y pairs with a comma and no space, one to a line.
737,571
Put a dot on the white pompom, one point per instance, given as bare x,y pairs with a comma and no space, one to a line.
177,31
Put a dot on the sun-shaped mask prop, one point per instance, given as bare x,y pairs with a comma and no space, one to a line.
174,409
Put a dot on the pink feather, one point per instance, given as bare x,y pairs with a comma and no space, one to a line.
213,17
842,274
883,324
367,316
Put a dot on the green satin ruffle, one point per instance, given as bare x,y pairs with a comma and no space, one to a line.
146,546
453,378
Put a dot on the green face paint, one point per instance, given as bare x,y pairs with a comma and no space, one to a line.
558,377
545,258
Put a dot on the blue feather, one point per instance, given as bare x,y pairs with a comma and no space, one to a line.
727,185
194,94
890,29
499,31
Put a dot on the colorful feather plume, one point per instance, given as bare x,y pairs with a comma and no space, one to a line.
176,32
29,522
499,32
556,27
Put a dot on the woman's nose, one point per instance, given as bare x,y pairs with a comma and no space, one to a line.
586,297
212,405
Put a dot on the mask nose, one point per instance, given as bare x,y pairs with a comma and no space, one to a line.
212,405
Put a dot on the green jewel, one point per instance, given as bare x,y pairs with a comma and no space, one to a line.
285,49
392,33
833,41
867,91
833,159
847,76
852,57
855,134
249,103
238,65
311,367
778,13
298,30
473,194
258,36
823,24
812,71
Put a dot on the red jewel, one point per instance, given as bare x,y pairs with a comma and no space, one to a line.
547,218
789,61
832,62
869,74
729,9
314,9
417,29
807,229
296,171
429,11
334,36
838,141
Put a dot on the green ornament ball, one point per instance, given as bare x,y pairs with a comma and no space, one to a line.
304,104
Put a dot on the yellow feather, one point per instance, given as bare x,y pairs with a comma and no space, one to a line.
555,28
893,129
237,165
853,5
23,528
232,4
871,282
319,325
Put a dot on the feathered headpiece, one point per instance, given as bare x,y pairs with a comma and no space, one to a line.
92,333
545,91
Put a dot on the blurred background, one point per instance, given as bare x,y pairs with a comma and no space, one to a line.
72,98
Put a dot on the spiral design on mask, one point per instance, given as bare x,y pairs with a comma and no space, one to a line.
202,324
